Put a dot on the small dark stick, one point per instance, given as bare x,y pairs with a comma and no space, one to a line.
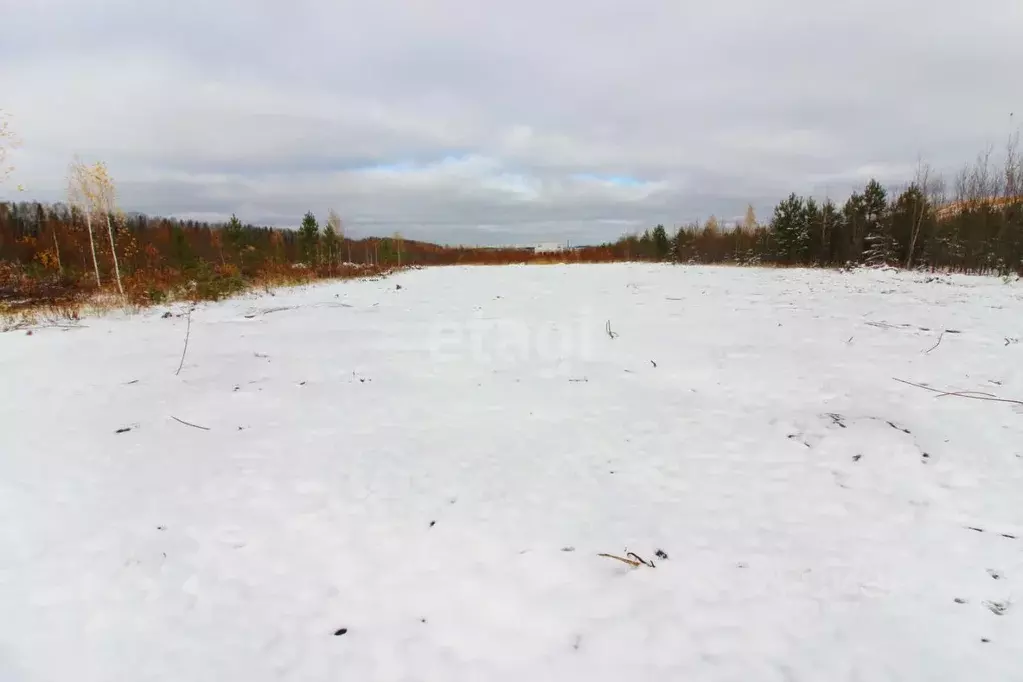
188,332
631,562
940,337
194,426
976,395
636,557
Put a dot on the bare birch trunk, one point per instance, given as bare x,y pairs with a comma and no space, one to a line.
113,254
92,245
56,249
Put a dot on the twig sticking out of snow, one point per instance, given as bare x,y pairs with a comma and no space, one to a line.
610,333
940,337
974,395
188,332
194,426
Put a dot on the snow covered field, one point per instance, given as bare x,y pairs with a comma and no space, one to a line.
434,469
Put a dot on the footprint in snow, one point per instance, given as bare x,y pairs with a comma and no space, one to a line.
997,607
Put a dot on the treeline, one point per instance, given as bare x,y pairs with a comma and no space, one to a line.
54,251
977,227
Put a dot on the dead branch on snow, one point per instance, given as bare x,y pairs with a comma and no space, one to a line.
940,337
188,332
974,395
194,426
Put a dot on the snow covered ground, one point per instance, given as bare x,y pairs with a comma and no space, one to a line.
433,470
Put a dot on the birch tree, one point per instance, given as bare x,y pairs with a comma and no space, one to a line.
920,209
333,237
399,241
105,202
80,195
749,221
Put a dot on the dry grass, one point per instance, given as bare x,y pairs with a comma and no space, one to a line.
28,306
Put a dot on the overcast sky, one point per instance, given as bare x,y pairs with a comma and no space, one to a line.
501,121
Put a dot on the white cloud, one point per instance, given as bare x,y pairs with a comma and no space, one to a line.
455,119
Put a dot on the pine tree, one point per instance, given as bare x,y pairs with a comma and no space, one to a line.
880,245
661,245
684,247
646,244
832,231
309,239
789,228
234,235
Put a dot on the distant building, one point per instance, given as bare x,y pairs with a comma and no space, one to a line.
548,247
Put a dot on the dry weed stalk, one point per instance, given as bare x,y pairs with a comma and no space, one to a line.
974,395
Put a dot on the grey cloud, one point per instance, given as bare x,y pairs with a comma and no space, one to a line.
490,110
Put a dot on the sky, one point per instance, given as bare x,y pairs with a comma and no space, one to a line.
500,121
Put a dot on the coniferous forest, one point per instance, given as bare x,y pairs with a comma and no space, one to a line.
973,224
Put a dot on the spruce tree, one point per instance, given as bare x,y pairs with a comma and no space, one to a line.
234,235
789,228
661,245
880,244
309,239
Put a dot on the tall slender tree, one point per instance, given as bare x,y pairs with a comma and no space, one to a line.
336,242
331,245
399,242
81,197
832,232
309,238
104,196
